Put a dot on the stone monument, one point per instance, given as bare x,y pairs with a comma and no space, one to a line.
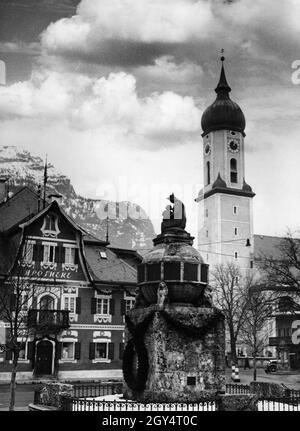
175,349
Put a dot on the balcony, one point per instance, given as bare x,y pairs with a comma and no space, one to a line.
280,341
48,320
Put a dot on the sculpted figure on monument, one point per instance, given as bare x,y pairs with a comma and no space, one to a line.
162,294
174,216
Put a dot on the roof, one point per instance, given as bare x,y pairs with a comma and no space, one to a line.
8,251
112,269
268,246
21,207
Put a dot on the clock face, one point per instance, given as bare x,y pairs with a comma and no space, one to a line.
233,145
207,149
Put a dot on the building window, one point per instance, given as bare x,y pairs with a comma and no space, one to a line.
50,222
235,209
251,263
101,350
102,306
206,213
24,304
235,231
235,255
22,351
207,234
129,304
68,350
49,253
70,303
208,173
233,171
70,255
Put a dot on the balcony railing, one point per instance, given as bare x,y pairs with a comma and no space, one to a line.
280,341
48,319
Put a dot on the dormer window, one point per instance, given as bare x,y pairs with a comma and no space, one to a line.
103,254
50,222
50,226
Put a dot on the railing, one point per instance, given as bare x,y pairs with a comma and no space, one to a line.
54,319
284,404
237,389
280,341
75,404
97,390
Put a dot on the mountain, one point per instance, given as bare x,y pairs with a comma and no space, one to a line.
128,225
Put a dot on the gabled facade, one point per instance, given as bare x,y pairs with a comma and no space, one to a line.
82,288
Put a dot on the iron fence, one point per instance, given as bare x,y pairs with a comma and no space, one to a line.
234,389
97,390
284,404
75,404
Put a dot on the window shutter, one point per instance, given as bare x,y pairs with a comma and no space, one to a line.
35,253
30,350
92,351
111,350
34,302
121,350
57,254
62,255
8,355
78,305
59,350
93,305
76,256
123,307
13,302
40,253
77,350
112,307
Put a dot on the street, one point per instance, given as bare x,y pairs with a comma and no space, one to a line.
25,392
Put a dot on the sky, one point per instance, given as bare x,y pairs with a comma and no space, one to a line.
113,92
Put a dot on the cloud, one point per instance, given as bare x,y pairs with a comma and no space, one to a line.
132,32
109,103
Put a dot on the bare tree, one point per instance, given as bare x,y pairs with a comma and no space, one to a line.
230,295
283,267
16,292
258,311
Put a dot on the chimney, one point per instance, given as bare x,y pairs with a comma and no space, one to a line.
55,197
3,189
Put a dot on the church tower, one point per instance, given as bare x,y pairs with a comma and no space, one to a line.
226,225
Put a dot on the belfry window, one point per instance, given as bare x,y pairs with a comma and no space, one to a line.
233,171
208,172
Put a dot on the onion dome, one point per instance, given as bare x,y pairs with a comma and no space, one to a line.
219,183
223,113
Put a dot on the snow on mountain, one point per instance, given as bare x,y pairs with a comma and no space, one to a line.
128,225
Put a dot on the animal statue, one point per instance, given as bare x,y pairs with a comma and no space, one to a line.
162,294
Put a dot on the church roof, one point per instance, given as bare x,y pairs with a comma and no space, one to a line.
223,113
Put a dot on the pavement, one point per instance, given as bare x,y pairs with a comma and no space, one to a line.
290,379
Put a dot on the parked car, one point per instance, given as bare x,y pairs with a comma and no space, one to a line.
271,366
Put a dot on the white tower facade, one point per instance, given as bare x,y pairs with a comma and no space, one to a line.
226,220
